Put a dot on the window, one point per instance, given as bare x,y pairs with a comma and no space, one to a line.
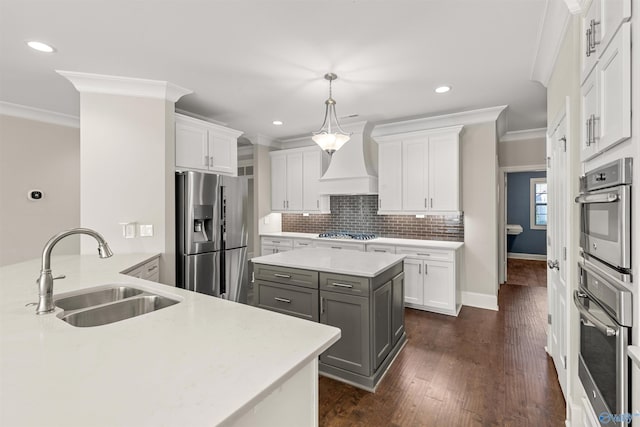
538,204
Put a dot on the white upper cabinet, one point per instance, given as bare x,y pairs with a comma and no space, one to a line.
599,26
205,146
419,172
390,176
295,177
606,97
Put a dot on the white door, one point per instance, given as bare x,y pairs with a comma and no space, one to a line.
415,174
413,283
279,182
444,176
439,288
223,153
294,182
557,230
191,146
312,171
589,111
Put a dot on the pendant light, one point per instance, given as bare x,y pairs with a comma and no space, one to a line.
330,137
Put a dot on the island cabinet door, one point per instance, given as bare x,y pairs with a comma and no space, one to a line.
382,323
351,315
397,314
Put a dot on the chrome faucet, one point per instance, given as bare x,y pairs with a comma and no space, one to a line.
45,282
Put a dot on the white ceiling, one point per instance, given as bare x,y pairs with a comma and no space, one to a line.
250,62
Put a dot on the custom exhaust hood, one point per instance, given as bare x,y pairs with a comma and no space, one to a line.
354,167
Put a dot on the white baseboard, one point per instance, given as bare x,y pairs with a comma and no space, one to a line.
474,299
534,257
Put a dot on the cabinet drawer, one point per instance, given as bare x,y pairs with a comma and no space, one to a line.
344,284
381,249
276,241
302,243
427,253
341,245
285,275
151,269
291,300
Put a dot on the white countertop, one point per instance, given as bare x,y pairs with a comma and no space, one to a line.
366,264
436,244
199,362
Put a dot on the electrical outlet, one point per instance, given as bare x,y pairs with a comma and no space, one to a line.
146,230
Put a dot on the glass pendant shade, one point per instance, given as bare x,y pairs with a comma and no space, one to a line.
327,140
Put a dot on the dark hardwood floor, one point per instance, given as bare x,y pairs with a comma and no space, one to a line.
526,272
483,368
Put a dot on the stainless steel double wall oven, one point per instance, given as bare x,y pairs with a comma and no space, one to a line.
604,297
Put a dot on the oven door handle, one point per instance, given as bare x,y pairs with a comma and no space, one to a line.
605,329
597,198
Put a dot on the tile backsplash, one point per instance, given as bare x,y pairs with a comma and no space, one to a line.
358,214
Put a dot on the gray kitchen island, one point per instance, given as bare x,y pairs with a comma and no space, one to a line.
362,293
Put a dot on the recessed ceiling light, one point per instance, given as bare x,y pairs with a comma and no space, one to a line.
41,47
278,122
443,89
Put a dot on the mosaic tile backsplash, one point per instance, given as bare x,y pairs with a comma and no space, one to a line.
358,214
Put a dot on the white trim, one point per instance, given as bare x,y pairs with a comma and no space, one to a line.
266,141
532,203
552,32
127,86
520,135
475,299
532,257
200,117
420,133
462,118
524,168
39,115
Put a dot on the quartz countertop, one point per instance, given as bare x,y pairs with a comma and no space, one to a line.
203,361
436,244
366,264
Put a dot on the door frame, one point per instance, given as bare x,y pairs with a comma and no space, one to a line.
502,226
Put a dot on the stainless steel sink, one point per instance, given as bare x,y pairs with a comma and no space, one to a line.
108,304
99,296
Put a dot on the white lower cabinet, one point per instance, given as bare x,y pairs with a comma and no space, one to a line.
271,245
431,280
150,270
350,246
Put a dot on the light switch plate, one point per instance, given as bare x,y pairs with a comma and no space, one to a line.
128,229
146,230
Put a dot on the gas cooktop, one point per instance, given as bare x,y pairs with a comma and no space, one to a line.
347,235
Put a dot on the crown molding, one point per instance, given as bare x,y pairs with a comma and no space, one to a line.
550,36
186,113
39,115
471,117
520,135
266,141
126,86
245,151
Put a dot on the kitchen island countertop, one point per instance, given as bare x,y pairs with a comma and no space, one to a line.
365,264
203,361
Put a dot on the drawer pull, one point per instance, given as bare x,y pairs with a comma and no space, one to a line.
152,268
284,276
342,285
303,244
336,247
424,254
275,241
288,301
379,250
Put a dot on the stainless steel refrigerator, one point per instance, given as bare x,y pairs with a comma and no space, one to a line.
211,234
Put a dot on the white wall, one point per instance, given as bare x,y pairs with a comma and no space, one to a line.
525,152
37,155
267,221
127,173
479,201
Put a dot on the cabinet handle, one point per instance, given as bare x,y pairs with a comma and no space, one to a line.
276,250
379,203
342,285
379,250
424,254
425,270
321,305
419,268
588,40
210,160
593,128
152,268
336,247
206,160
288,301
318,204
284,204
588,125
275,241
303,244
593,42
284,276
431,202
425,202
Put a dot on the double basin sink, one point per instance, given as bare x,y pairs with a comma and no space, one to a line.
106,304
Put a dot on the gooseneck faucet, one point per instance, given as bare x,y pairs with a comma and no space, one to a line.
45,282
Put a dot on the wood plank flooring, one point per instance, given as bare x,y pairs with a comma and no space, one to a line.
483,368
526,272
